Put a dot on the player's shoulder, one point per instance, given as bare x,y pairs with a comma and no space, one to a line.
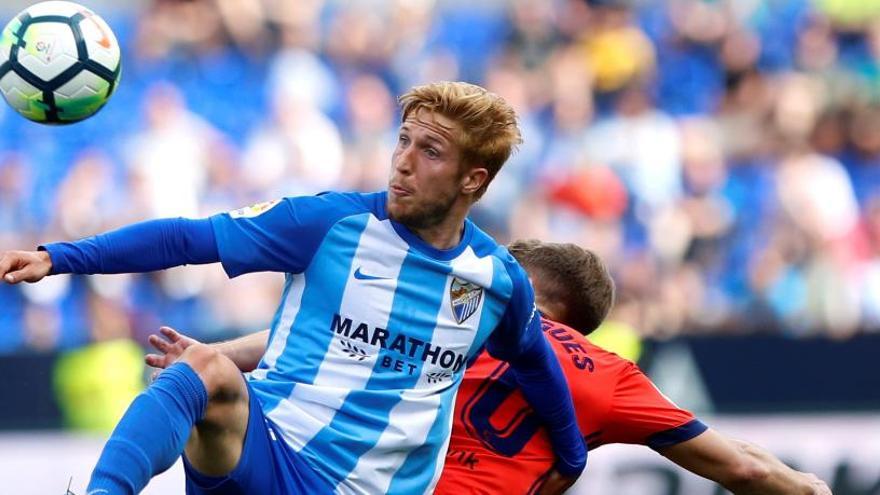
552,325
565,340
342,203
325,209
483,244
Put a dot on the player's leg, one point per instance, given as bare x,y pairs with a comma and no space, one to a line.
261,464
266,464
152,433
215,443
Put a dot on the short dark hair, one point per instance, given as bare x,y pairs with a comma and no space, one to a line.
569,277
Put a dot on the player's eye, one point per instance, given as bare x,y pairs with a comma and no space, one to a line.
402,139
432,153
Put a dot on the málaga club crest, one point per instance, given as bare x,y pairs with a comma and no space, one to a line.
465,298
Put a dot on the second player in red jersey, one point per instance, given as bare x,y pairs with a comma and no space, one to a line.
615,402
498,447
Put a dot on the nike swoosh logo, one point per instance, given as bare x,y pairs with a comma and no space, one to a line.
358,274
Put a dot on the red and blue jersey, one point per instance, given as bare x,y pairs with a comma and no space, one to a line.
498,445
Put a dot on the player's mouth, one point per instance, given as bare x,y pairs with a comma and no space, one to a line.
400,191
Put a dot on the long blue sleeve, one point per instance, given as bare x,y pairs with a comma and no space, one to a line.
141,247
542,382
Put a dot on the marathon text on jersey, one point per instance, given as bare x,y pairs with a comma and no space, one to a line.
403,344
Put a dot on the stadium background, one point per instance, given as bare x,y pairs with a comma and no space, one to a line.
723,156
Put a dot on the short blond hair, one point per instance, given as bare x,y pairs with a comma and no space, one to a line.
489,132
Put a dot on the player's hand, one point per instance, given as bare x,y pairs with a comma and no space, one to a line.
556,483
817,486
170,348
24,266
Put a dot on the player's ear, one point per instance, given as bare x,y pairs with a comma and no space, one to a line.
474,179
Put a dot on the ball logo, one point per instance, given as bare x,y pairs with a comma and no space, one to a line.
45,49
465,298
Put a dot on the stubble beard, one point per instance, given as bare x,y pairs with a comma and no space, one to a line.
426,215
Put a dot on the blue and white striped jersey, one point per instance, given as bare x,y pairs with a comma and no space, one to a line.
373,332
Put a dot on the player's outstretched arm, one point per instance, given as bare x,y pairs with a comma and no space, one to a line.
137,248
24,266
245,352
742,467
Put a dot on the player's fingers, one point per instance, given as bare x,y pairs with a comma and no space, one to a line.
24,271
818,486
153,360
159,343
17,276
6,263
170,333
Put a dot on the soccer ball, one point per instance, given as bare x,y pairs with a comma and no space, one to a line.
59,62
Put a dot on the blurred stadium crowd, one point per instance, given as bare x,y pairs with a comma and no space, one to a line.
722,156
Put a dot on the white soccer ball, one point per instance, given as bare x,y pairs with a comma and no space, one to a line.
59,62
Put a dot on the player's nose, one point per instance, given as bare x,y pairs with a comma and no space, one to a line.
403,161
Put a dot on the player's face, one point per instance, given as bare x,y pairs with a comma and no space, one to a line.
426,171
